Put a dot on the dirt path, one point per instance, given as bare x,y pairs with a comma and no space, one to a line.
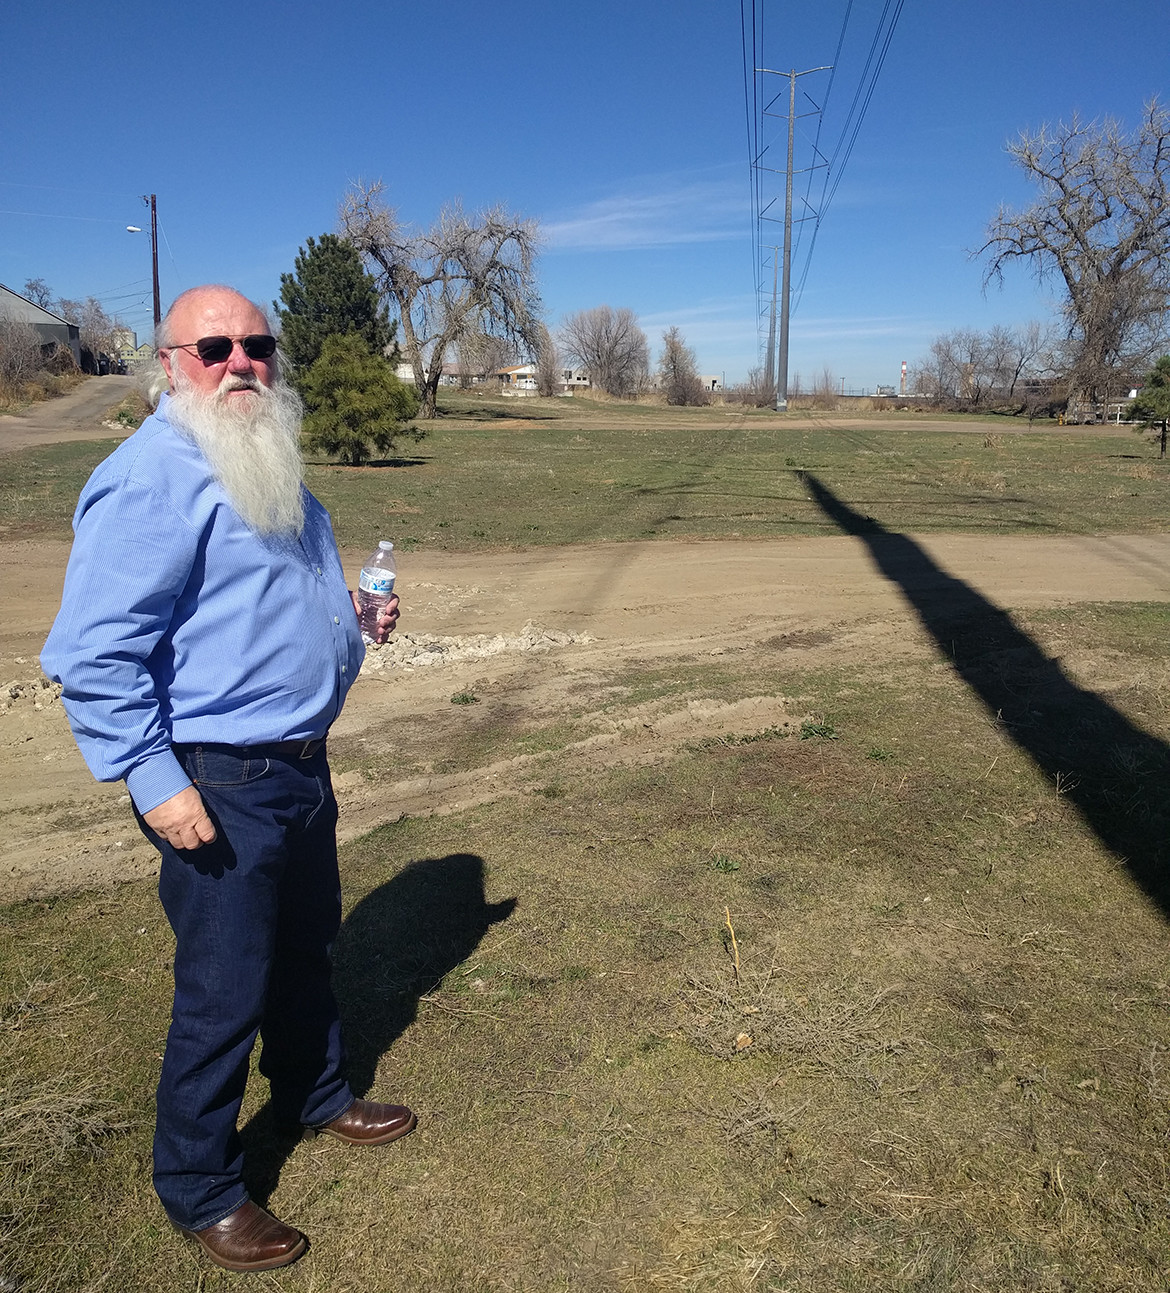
74,416
589,612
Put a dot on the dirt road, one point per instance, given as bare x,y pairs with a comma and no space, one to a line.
75,416
593,611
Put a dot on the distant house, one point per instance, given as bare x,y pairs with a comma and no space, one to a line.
711,382
517,379
126,347
52,329
140,357
450,376
574,379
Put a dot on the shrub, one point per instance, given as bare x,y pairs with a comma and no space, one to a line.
355,402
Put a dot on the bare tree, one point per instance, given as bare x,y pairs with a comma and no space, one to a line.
548,362
756,391
611,348
1017,354
1102,224
974,369
481,354
38,291
464,275
95,325
677,376
824,390
20,351
971,355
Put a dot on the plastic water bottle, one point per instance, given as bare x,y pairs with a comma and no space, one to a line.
375,586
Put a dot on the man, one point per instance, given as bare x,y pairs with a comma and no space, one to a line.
206,641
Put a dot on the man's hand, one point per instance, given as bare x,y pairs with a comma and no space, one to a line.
387,616
182,820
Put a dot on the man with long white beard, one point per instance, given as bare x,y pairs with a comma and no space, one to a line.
205,643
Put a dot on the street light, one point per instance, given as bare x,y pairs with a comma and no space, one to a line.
133,228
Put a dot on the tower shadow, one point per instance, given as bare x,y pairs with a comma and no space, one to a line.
395,946
1113,772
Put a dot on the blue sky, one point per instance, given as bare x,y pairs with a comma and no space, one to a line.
620,126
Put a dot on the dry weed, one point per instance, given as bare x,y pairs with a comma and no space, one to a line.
839,1026
51,1120
43,1125
725,1253
754,1121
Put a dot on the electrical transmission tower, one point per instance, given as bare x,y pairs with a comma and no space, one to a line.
777,359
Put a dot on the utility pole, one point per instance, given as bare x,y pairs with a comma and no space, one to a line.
154,257
770,370
781,388
149,200
786,300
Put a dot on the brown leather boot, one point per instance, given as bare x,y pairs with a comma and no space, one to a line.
368,1123
250,1239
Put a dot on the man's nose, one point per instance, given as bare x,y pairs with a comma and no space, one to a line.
238,362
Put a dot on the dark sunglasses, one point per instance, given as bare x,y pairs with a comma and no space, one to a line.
214,350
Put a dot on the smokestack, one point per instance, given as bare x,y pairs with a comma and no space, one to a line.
903,391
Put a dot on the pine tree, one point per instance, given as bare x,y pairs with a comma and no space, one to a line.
1152,405
355,401
327,295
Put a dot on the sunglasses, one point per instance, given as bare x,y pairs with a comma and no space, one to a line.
214,350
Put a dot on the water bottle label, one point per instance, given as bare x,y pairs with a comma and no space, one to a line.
379,582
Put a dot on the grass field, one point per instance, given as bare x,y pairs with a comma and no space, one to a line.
879,1004
529,472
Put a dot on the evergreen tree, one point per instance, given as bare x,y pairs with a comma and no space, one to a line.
327,295
354,401
1153,400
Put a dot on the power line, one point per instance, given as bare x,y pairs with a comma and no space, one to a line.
834,161
57,188
752,117
817,143
136,282
49,215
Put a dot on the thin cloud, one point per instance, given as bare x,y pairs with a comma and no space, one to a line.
734,319
687,213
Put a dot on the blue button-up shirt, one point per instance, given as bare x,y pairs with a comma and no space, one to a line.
179,624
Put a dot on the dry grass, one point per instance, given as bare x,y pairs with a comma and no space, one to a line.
44,386
838,1027
944,1064
47,1127
955,999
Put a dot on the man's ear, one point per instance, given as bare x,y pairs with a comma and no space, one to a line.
164,358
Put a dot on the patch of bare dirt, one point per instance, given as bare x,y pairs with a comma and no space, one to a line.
546,631
79,414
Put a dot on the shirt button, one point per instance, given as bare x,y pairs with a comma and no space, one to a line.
336,619
343,668
318,569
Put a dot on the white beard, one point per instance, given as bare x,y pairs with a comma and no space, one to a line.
252,444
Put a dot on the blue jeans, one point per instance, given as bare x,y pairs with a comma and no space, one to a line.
255,914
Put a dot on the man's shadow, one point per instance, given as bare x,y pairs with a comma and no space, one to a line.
395,946
1117,775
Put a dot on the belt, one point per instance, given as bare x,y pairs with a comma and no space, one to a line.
291,749
279,749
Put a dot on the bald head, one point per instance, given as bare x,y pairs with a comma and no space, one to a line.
213,310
